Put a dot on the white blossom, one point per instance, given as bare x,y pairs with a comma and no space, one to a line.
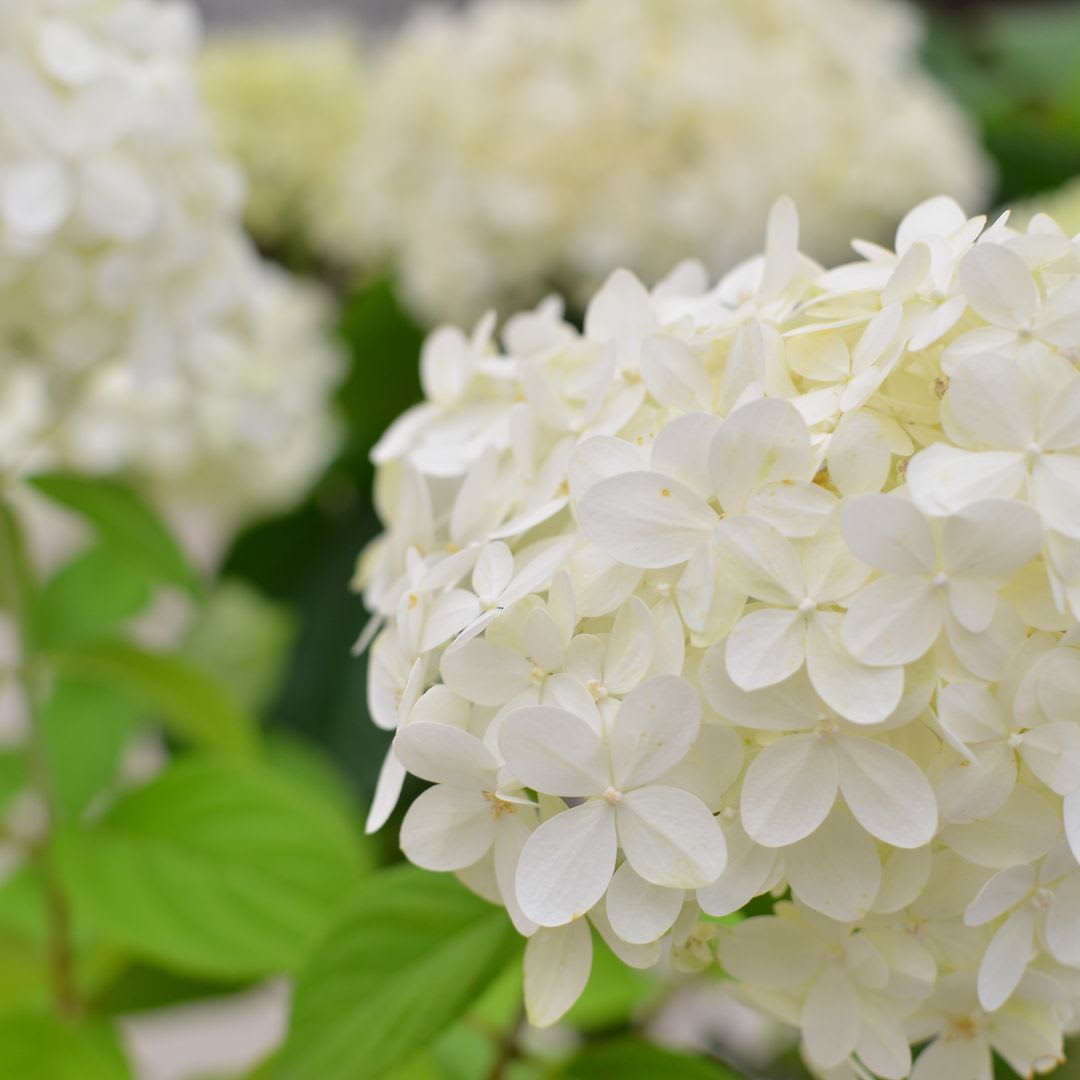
765,590
504,152
140,331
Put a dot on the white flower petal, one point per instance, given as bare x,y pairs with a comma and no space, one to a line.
557,965
445,754
673,374
1055,490
788,790
835,870
831,1019
973,603
1006,959
949,1059
600,458
766,647
645,519
859,693
653,730
1052,753
630,648
886,791
747,873
894,620
640,912
512,831
1000,894
999,286
1063,923
485,673
1071,810
888,533
943,479
771,953
387,792
553,751
567,863
990,539
493,569
904,874
670,837
763,442
787,706
447,828
757,559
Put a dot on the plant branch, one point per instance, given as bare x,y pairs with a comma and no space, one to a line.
509,1049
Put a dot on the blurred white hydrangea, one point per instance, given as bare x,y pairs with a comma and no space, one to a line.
769,588
524,145
139,331
287,108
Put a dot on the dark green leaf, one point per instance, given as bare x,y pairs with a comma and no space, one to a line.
124,522
635,1059
217,869
192,705
86,599
36,1047
408,957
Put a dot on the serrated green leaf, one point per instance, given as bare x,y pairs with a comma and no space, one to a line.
87,598
218,869
39,1047
635,1059
190,703
408,957
124,522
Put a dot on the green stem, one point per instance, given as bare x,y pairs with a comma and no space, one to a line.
14,587
509,1049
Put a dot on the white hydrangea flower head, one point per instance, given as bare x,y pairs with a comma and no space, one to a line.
286,108
138,328
520,145
767,589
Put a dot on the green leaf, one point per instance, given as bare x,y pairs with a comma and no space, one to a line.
217,869
242,638
192,704
409,956
124,522
86,599
16,579
635,1059
34,1047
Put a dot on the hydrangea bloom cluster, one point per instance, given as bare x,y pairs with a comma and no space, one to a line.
507,154
287,109
138,329
764,589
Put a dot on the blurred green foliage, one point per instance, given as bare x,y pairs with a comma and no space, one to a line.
1014,68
